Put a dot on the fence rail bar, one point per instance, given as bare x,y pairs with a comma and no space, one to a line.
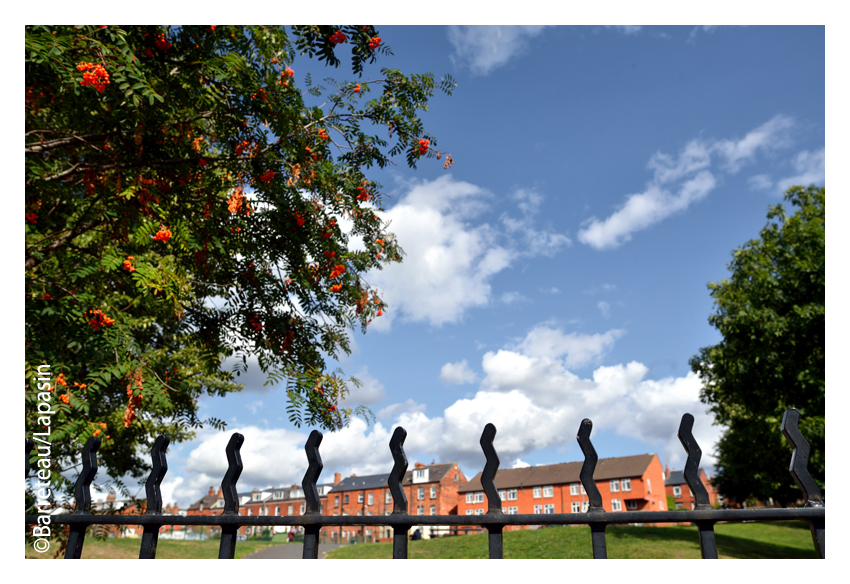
703,515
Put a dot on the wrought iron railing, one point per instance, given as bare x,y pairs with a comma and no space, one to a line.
704,516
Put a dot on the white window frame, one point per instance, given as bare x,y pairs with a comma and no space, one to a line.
359,497
573,488
616,505
478,497
420,494
420,510
370,499
513,510
469,497
548,491
290,509
388,498
433,491
503,495
631,505
538,509
626,484
575,507
677,492
549,509
614,485
433,509
470,511
512,495
584,506
277,511
336,501
302,508
536,492
479,511
648,486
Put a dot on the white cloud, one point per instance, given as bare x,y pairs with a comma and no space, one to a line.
255,406
486,48
576,349
513,298
810,168
456,373
450,260
369,393
760,182
689,173
604,308
408,406
769,136
520,464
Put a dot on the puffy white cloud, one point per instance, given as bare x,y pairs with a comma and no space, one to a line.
409,406
689,174
520,464
810,167
450,261
547,342
456,373
369,393
486,48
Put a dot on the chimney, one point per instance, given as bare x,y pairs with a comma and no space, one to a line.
418,465
110,497
220,494
337,478
667,472
212,491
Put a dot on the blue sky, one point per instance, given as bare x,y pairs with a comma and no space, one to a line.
602,177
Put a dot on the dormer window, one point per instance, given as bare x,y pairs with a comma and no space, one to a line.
258,496
420,475
278,494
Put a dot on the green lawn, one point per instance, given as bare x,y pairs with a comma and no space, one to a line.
791,539
128,548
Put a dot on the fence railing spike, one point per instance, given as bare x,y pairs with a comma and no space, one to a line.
799,469
707,539
159,466
594,497
397,491
311,494
82,494
488,483
227,547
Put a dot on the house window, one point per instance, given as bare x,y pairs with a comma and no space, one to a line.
433,509
648,486
278,494
470,511
690,492
469,497
433,492
575,507
479,511
250,512
290,510
679,506
336,501
584,506
511,494
574,489
359,497
661,505
478,497
693,505
277,511
455,477
536,492
388,498
538,509
302,508
677,491
258,496
369,513
249,530
631,505
420,475
549,509
345,500
386,512
420,493
549,491
513,510
371,500
615,486
420,510
616,505
626,484
360,513
503,495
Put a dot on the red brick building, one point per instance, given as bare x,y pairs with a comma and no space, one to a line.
430,489
278,502
627,483
677,487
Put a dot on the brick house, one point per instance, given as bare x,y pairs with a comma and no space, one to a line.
430,489
677,487
279,502
627,483
211,504
133,507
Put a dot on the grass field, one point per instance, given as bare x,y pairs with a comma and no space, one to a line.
790,539
128,548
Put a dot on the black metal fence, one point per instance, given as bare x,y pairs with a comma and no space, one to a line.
704,516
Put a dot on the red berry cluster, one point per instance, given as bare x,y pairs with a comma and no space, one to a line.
423,146
163,235
255,323
94,75
162,43
99,319
323,135
338,37
266,177
374,43
337,271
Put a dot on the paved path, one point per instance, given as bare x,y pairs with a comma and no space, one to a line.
288,551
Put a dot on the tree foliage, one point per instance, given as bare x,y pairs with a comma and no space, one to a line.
771,314
187,201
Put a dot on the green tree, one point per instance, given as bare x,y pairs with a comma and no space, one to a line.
192,195
771,314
